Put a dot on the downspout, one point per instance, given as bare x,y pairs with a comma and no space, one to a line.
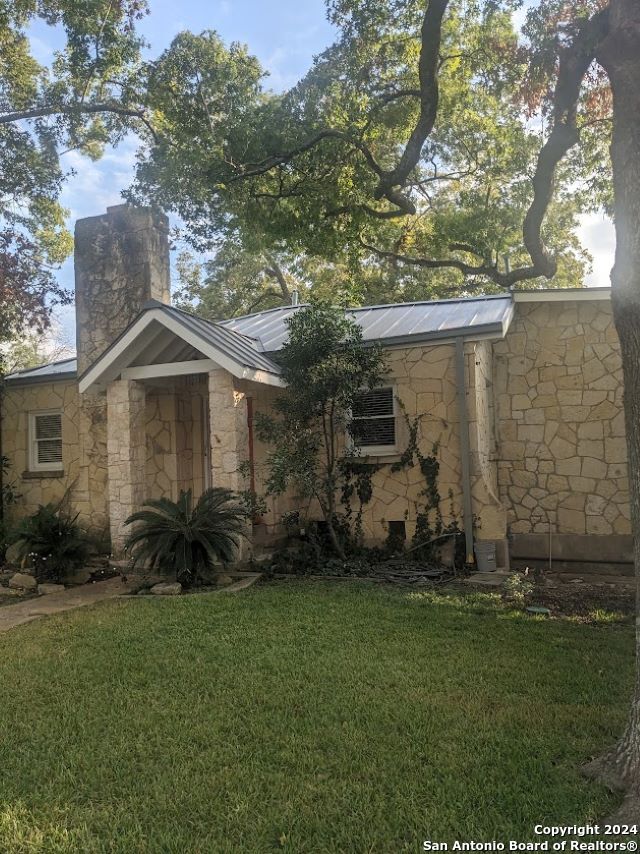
252,471
465,452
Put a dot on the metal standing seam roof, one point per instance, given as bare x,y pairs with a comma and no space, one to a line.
236,344
63,369
399,323
248,340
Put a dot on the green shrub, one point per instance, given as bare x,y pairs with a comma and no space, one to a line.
8,497
184,541
53,542
518,588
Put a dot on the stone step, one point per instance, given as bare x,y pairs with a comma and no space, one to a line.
487,579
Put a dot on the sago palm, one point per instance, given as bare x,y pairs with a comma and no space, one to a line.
184,540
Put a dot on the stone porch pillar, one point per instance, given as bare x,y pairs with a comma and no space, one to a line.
229,435
229,431
126,455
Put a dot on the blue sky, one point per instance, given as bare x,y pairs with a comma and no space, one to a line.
284,36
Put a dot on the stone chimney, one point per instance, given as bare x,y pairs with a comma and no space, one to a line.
121,262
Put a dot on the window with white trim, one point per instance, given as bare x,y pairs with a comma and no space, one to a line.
373,421
45,440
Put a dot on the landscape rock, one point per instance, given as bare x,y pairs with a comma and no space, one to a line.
167,588
78,576
12,554
223,579
22,581
45,589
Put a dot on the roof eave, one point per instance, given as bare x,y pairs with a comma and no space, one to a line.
562,294
65,376
443,336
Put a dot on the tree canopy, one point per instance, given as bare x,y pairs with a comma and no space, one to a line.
89,96
352,166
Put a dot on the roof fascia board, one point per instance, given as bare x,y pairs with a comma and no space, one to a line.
168,369
237,369
66,376
446,336
99,372
563,295
263,377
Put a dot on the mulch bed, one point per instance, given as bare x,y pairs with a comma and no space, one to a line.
583,600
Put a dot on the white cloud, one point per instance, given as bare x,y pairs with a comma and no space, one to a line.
41,50
96,185
598,235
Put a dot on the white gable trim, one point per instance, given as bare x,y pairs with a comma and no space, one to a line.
563,295
119,356
169,369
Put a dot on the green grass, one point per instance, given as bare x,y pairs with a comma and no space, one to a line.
301,717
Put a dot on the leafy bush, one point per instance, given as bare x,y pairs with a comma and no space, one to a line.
54,542
518,587
184,541
325,367
8,496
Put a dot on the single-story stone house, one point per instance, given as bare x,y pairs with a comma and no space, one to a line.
522,393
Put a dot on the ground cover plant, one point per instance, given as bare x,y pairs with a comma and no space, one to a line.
51,541
303,716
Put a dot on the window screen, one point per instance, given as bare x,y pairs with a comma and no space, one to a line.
373,421
46,441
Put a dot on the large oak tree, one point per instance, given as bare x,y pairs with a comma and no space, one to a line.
255,175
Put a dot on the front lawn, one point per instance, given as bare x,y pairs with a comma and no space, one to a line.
301,717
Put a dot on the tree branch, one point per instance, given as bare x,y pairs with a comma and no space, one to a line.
79,108
489,271
253,169
431,36
276,272
370,211
263,296
70,109
574,63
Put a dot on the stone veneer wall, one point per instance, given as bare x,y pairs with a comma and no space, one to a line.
126,448
83,452
175,437
425,382
489,512
121,261
563,457
18,402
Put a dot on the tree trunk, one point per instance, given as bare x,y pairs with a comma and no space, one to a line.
329,516
620,56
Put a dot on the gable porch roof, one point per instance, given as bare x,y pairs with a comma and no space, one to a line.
164,341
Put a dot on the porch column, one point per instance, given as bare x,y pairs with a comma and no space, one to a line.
229,432
229,438
126,455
